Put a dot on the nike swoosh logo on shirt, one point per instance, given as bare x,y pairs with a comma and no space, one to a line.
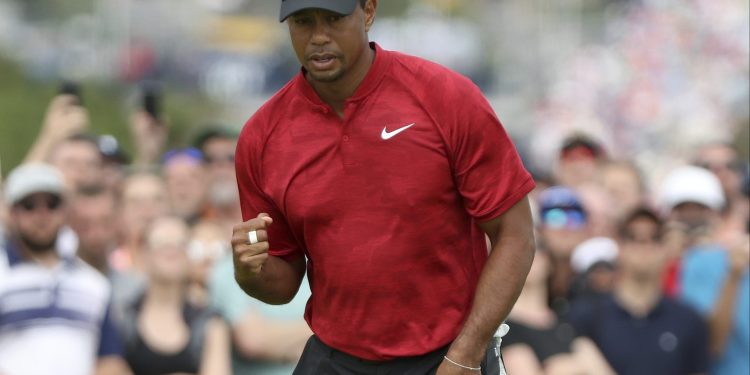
388,135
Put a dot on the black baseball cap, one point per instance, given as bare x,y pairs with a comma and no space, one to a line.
344,7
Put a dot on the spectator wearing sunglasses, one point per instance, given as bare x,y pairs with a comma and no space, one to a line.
692,199
54,308
562,225
639,330
711,272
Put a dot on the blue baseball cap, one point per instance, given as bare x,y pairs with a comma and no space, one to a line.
560,207
344,7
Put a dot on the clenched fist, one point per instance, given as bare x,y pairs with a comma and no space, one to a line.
250,257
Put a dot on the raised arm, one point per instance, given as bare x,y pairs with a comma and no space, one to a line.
270,279
64,118
721,319
512,238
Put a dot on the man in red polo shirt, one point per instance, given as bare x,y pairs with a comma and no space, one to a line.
380,174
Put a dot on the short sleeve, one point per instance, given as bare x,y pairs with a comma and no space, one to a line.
701,278
488,171
110,343
253,200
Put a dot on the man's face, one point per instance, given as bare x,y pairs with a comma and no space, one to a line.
79,161
328,44
89,218
186,185
37,219
694,215
562,230
624,187
641,251
219,156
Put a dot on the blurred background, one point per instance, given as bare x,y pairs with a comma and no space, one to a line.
647,78
633,117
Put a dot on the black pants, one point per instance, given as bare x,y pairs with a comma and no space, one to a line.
320,359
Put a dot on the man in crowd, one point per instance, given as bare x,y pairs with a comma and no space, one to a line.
54,309
638,329
716,281
218,147
692,199
92,211
710,271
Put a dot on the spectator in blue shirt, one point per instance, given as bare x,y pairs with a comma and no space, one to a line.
717,283
639,330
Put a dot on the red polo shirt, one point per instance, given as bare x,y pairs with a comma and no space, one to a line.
384,202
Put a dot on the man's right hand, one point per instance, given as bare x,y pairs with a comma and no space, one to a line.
250,258
149,137
739,255
64,118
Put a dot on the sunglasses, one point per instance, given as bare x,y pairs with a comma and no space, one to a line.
558,218
229,158
199,251
51,202
632,238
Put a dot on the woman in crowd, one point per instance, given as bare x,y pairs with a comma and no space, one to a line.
163,332
538,342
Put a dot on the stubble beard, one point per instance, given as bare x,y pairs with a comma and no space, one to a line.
327,77
37,246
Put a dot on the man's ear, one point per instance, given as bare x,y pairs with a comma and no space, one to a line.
371,7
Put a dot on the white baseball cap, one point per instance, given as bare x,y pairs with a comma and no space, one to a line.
593,251
33,178
691,184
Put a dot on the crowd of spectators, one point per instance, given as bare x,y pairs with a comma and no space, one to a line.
626,280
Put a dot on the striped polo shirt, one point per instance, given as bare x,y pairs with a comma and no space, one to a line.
53,320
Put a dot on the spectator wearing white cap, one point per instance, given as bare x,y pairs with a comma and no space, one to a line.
691,198
711,273
54,309
594,263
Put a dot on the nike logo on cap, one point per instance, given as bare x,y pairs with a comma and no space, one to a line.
388,135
